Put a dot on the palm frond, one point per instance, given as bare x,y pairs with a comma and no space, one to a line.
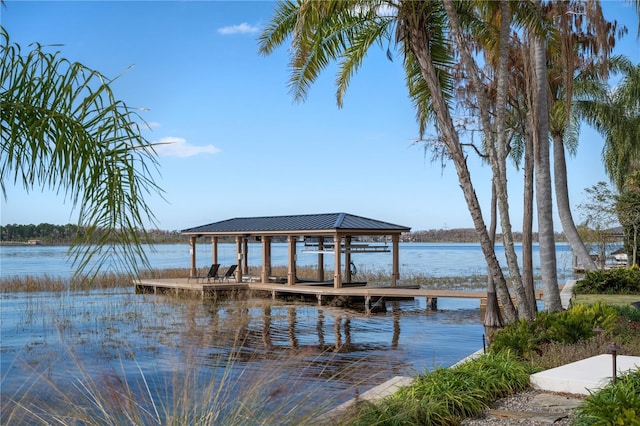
64,130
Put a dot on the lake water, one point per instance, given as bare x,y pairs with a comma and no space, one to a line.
429,259
279,355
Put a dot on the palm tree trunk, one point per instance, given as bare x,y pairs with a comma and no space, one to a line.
419,44
531,133
496,142
564,208
544,200
492,315
527,224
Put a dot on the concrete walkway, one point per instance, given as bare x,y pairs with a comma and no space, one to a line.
580,377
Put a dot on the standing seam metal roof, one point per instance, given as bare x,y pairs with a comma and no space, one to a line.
295,223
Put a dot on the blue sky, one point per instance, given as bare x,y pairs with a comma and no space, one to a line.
241,145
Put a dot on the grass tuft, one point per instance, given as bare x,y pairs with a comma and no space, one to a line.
447,395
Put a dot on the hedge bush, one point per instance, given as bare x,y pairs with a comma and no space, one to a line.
610,281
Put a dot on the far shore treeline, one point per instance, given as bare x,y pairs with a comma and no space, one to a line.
48,234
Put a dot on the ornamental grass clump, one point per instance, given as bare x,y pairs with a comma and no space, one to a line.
183,395
446,396
616,404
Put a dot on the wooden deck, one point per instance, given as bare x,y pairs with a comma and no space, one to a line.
371,296
186,287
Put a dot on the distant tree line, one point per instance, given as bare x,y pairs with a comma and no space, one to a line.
462,235
47,233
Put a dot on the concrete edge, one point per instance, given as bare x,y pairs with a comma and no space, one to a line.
380,392
377,393
566,294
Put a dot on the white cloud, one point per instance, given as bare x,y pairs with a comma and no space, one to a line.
243,28
179,147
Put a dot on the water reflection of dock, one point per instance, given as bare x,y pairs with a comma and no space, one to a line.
368,296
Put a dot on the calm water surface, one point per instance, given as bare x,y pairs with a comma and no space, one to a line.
289,350
430,259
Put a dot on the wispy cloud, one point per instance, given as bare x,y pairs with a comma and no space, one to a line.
152,125
179,147
243,28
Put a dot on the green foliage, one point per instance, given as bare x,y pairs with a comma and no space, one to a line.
519,336
616,404
63,129
610,281
445,396
629,312
572,326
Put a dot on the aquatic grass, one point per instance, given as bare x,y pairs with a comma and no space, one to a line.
198,388
198,384
185,397
40,283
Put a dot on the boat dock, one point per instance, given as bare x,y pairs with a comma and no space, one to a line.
370,296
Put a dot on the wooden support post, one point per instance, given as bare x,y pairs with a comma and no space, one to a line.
396,259
266,259
320,275
214,250
192,250
337,279
347,259
433,303
245,255
239,257
291,274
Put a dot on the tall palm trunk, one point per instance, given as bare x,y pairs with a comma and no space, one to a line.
419,45
492,315
527,226
544,200
564,207
531,132
496,142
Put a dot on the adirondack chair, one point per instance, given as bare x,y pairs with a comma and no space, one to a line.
212,274
228,275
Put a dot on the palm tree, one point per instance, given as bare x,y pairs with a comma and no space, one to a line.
344,31
64,130
495,131
628,211
616,115
582,49
546,237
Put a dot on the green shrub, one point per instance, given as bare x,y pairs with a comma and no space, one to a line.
520,337
629,312
616,404
527,338
610,281
579,322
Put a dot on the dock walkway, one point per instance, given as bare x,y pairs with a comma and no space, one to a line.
370,295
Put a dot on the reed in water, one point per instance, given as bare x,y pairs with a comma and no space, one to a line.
45,282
